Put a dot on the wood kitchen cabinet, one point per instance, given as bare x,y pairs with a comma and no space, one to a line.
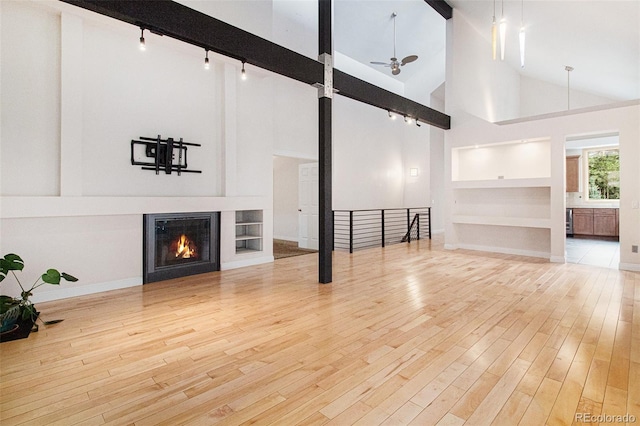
605,222
583,221
596,222
573,173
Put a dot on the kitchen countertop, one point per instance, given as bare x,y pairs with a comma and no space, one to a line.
592,207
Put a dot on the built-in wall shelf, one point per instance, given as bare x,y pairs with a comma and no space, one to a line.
501,197
503,183
524,222
67,206
510,160
248,231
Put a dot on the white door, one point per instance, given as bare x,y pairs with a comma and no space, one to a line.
308,205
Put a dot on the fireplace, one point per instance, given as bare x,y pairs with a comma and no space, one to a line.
180,244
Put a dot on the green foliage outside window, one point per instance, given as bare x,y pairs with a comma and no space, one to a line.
604,174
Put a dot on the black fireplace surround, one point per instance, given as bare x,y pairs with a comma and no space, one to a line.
180,244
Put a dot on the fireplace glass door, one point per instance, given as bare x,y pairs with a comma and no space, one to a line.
180,244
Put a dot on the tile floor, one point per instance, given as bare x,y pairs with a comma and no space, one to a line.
593,252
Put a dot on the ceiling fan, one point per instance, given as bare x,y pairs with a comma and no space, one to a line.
395,64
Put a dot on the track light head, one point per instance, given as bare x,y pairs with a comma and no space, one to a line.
142,43
391,116
206,59
243,74
408,119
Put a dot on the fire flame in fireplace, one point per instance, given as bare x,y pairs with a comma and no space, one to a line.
185,248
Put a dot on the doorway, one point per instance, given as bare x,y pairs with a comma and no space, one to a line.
592,200
294,201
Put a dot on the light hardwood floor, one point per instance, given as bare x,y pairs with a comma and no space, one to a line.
410,334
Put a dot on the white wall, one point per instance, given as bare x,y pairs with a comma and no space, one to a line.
372,156
476,84
295,127
436,158
539,97
420,86
519,160
30,101
253,16
100,92
126,94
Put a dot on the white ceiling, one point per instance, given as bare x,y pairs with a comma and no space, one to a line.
599,39
363,30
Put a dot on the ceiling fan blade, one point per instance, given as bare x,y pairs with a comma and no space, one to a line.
409,59
379,63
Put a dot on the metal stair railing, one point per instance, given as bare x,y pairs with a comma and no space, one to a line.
360,229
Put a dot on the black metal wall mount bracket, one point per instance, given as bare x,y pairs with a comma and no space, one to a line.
161,154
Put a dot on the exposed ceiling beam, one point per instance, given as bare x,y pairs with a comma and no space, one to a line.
191,26
367,93
442,7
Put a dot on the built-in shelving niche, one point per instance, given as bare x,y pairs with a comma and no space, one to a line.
248,231
502,197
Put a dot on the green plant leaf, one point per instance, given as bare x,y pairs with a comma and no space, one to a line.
68,277
52,276
10,262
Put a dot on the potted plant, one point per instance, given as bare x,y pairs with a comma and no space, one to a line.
18,314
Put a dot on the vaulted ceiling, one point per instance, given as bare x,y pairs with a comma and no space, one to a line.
599,39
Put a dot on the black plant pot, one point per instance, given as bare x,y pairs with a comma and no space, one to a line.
20,332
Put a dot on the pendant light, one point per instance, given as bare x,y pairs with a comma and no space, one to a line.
568,69
142,44
522,36
494,34
503,33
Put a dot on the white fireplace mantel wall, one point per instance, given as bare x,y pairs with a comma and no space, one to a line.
70,197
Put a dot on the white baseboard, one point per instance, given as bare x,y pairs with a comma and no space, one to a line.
450,247
557,259
634,267
65,292
504,250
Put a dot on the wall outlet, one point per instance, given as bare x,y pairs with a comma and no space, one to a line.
634,249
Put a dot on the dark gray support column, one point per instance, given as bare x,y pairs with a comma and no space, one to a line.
325,264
